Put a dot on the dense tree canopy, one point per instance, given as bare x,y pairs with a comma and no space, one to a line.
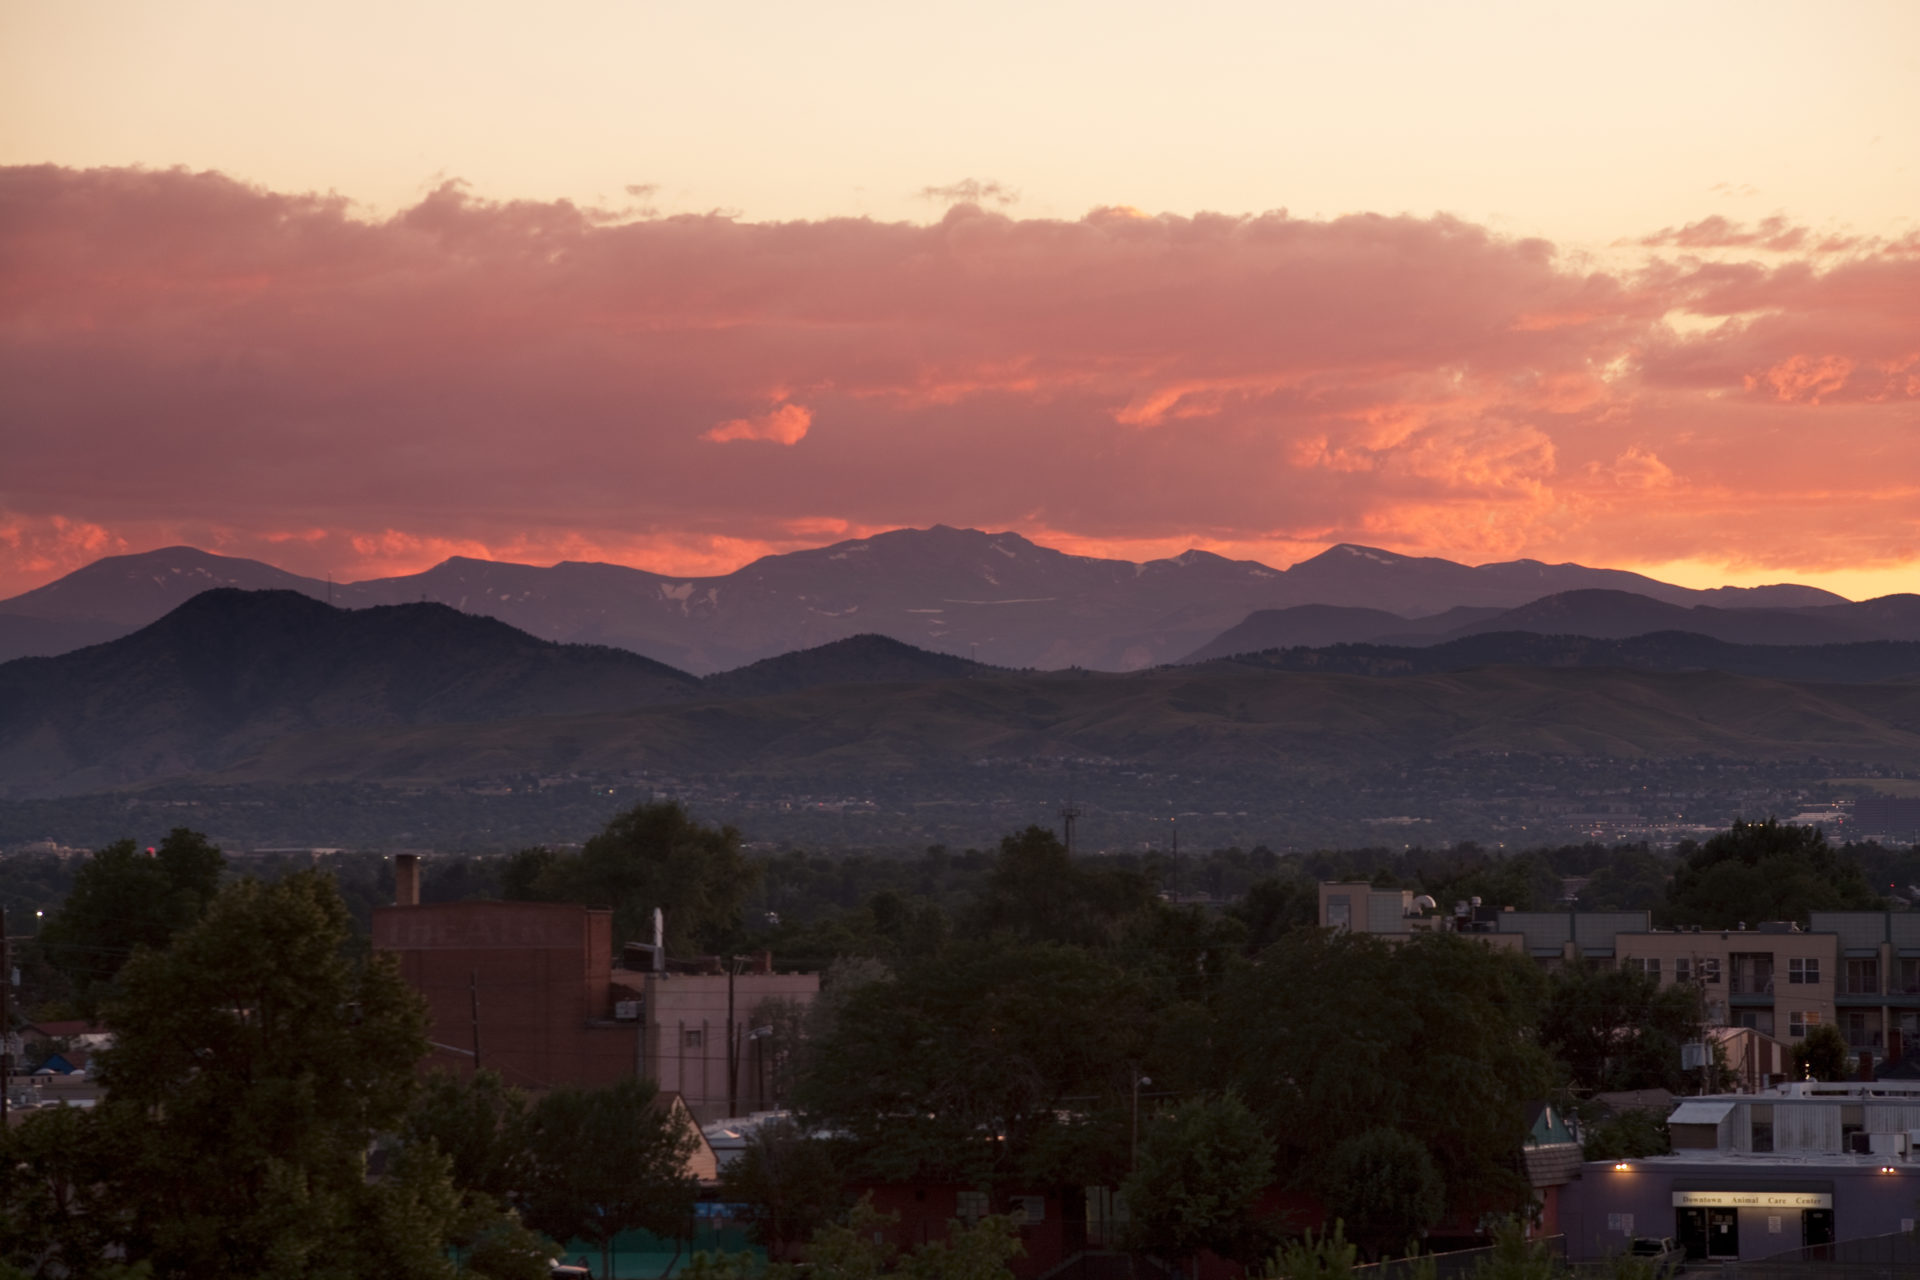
966,1068
652,856
603,1161
1619,1028
1202,1168
1036,893
125,897
1435,1037
254,1066
1384,1185
1764,871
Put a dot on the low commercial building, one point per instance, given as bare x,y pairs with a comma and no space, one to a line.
1753,1175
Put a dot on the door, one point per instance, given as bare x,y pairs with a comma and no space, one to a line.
1816,1228
1690,1228
1723,1233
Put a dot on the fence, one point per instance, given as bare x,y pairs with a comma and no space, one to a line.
1894,1257
1456,1265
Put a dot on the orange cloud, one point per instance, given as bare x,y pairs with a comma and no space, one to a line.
537,380
783,424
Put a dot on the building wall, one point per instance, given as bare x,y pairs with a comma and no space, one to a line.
1606,1206
528,980
1733,995
686,1025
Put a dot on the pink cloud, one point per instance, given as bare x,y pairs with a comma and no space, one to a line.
783,424
192,359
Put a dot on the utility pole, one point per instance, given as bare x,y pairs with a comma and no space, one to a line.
473,995
1067,815
6,1018
1176,857
733,1043
1133,1145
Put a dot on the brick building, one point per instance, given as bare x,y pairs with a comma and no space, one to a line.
530,989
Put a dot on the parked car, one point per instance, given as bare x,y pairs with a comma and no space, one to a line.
568,1271
1666,1256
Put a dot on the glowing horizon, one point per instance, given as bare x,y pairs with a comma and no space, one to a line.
677,286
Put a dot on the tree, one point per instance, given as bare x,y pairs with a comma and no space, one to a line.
1385,1186
1764,871
478,1124
256,1053
604,1161
1823,1055
1202,1167
1036,893
790,1183
1435,1037
124,898
859,1250
1273,906
652,856
1618,1029
1631,1134
970,1067
55,1208
1327,1256
1516,1256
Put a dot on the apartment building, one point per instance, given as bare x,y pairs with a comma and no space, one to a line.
1775,979
1857,970
1550,937
1877,977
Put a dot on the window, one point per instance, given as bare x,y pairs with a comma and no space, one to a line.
1649,966
1800,1021
690,1039
1760,1020
1710,970
970,1206
1339,911
1683,970
1803,971
1762,1126
1863,977
1752,973
1909,976
1862,1028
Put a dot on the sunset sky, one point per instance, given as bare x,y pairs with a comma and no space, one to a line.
354,287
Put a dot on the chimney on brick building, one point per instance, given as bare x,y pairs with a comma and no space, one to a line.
406,879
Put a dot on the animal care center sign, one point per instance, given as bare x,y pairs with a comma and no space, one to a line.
1752,1200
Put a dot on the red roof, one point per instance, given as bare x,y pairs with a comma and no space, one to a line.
68,1027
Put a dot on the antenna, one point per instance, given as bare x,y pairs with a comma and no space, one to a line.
1067,816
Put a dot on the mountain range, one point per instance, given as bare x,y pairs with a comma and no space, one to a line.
1596,614
274,687
996,597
